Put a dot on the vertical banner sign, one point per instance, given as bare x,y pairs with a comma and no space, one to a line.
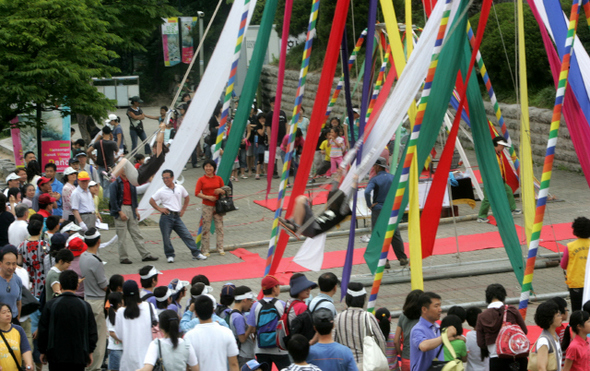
17,146
187,27
171,42
55,139
56,143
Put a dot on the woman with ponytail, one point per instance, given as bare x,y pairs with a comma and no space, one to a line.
384,318
577,356
174,352
115,346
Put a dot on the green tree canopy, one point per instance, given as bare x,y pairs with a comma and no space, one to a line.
50,50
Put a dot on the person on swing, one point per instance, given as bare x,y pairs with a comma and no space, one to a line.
336,211
142,175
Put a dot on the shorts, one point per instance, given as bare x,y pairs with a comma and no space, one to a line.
260,157
250,150
115,359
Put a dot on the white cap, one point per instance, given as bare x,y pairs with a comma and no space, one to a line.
92,183
503,143
70,170
12,176
107,122
151,273
113,117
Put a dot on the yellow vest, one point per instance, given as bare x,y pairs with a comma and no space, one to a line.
576,264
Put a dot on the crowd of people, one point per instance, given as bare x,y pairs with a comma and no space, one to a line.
57,305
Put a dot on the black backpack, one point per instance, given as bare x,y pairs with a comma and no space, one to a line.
303,323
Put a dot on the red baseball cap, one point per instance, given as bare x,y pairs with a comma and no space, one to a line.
269,282
46,199
42,181
77,246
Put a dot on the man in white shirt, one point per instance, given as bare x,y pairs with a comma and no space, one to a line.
83,204
17,231
215,346
174,200
12,181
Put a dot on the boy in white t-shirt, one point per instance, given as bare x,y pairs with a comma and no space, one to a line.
215,346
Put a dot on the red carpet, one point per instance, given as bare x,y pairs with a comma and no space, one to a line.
253,265
272,204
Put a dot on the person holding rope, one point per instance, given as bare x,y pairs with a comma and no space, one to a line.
144,173
305,223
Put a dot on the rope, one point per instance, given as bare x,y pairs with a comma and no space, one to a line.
292,130
504,46
411,151
169,113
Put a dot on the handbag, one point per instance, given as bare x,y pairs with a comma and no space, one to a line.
159,366
30,304
225,202
551,356
373,357
156,333
21,367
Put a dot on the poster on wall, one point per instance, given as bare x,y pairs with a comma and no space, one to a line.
55,139
187,27
170,41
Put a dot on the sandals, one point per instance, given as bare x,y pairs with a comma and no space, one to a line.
289,227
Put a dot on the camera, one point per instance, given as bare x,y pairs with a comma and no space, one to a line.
200,14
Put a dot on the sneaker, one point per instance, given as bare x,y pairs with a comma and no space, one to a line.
387,265
366,238
150,259
289,227
403,262
516,212
126,261
483,220
199,257
170,259
244,177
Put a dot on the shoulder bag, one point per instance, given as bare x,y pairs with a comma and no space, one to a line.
159,365
373,357
453,365
551,356
21,367
156,333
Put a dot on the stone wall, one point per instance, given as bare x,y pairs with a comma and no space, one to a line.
540,119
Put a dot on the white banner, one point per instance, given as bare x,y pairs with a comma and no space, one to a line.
203,103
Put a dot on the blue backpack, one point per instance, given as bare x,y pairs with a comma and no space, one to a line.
266,325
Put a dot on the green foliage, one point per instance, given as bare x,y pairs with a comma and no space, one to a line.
49,51
498,51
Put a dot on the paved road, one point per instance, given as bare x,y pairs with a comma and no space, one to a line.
253,223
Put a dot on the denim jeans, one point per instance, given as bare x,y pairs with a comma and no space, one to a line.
141,136
172,222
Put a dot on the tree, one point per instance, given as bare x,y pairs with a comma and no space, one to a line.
49,51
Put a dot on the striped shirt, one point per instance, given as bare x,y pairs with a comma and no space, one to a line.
349,330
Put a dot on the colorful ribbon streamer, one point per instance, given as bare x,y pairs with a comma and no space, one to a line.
548,163
316,122
231,83
411,150
293,129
